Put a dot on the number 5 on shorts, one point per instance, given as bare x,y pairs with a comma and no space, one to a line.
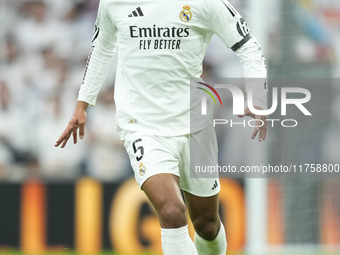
135,150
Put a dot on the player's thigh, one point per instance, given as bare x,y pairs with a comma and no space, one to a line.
204,214
155,165
164,194
207,207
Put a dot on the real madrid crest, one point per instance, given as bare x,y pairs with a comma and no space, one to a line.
185,15
142,169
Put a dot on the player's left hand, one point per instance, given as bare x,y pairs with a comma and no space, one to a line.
262,130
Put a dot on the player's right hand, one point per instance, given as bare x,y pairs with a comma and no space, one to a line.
78,120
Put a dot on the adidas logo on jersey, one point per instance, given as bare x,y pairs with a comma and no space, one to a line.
215,185
137,13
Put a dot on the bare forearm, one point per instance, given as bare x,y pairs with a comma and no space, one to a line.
81,105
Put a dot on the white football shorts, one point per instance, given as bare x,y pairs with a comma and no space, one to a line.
151,155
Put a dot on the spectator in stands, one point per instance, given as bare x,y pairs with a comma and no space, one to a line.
108,160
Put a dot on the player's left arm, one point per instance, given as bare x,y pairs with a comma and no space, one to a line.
230,26
254,67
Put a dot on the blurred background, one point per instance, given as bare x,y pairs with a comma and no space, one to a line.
82,198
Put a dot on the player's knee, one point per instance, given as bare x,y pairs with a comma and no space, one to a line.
207,226
172,215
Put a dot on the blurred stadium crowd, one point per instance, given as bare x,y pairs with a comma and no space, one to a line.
43,50
44,47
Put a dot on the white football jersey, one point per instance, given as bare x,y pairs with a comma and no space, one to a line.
161,47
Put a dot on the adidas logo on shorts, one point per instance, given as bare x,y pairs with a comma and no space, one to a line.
215,185
136,13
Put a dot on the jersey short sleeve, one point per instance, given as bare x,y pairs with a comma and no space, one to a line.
228,24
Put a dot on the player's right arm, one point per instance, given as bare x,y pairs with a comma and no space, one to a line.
104,44
78,121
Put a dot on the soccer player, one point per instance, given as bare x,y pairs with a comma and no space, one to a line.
161,47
